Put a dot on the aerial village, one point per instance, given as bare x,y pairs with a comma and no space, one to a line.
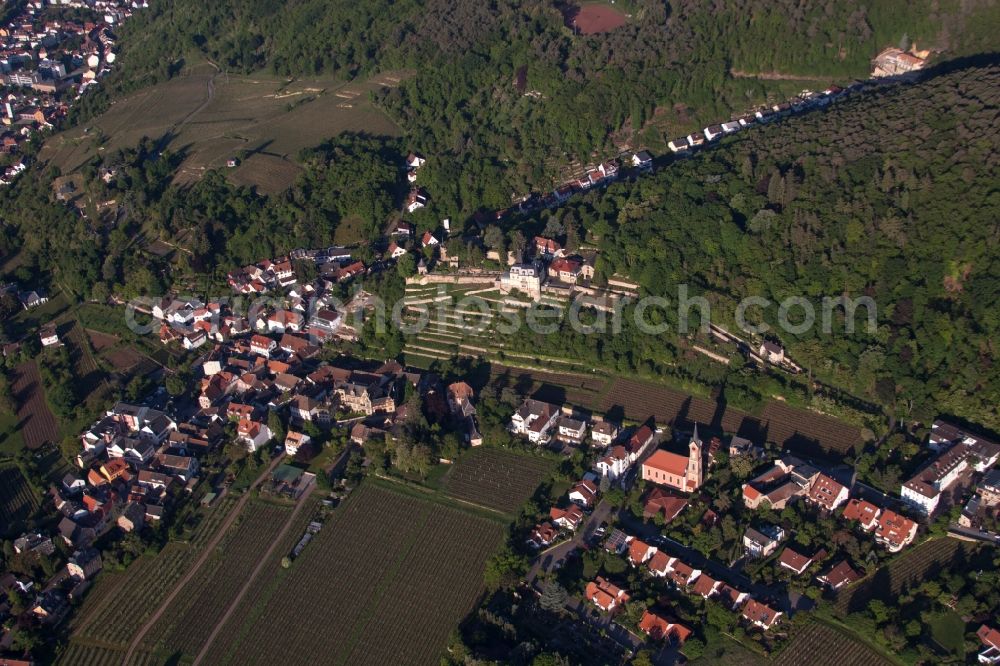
268,382
47,62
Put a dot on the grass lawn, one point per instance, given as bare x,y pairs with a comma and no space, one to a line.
27,321
10,437
948,631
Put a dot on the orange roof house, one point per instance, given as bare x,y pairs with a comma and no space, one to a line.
864,512
760,614
661,502
794,561
605,595
895,531
827,493
640,552
659,628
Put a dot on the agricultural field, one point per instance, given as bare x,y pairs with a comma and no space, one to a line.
593,18
79,654
392,574
792,428
112,618
440,323
819,644
909,568
215,117
272,576
18,500
35,419
495,478
186,624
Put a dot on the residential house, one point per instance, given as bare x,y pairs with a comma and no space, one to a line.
543,535
794,561
706,586
990,639
827,493
642,160
568,518
639,552
534,419
771,352
48,335
416,200
604,433
660,563
395,251
584,493
678,145
659,502
84,564
762,543
894,531
839,575
571,431
525,278
989,489
284,320
132,517
184,468
309,409
295,441
864,512
252,433
960,451
547,247
605,595
658,628
712,132
760,614
682,574
262,345
566,270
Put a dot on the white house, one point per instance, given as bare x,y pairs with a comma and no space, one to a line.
294,441
642,160
712,132
252,433
677,145
534,419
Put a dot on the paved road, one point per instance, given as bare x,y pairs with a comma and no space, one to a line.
788,600
253,576
553,558
207,552
986,537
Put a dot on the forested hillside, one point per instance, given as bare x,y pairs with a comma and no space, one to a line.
495,137
893,195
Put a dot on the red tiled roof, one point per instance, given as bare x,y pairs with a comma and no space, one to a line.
666,461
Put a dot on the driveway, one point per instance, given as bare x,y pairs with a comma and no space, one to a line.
552,558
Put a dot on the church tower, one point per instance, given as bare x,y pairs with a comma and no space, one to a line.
693,475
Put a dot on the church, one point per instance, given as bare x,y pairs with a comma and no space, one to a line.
675,470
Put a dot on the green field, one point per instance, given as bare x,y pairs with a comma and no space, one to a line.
819,644
495,478
190,618
18,500
386,581
117,606
211,117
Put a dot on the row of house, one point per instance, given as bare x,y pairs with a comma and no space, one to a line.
687,578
